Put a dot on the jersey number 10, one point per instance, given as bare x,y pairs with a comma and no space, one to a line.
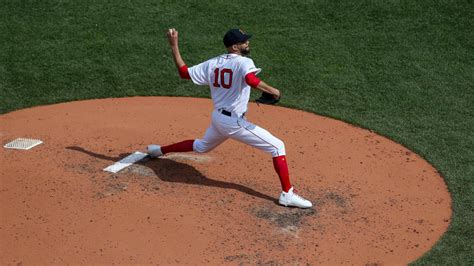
225,78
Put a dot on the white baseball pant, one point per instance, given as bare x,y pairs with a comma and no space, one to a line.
237,127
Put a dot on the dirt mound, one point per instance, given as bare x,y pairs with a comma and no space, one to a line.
374,200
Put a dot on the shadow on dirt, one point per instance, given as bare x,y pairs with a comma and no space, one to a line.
176,172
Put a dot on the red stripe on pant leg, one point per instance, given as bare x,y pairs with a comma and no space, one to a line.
281,167
183,146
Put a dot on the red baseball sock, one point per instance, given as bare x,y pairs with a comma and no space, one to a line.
182,146
281,167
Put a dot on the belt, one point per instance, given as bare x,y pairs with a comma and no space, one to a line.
227,113
224,112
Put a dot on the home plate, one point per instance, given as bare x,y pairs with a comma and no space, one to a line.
125,162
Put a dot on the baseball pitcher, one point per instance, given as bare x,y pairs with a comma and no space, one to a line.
230,78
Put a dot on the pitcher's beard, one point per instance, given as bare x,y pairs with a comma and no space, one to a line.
245,51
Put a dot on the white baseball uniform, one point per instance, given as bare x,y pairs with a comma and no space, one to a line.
230,93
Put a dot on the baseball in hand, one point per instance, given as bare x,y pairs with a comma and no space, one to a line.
172,32
172,36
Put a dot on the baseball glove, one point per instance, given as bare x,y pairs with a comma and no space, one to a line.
267,98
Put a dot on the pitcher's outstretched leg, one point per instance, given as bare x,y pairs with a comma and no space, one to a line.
156,151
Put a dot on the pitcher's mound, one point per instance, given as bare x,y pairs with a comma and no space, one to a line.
374,200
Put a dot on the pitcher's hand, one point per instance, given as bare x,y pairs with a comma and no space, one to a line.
172,35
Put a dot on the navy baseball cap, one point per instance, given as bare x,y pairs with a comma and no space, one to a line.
234,36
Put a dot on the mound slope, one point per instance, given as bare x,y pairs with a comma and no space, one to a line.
375,201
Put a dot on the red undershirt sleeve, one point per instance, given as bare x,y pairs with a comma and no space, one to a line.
184,73
252,80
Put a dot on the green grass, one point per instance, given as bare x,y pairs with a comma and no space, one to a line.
401,68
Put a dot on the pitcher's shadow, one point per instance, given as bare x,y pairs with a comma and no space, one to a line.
171,171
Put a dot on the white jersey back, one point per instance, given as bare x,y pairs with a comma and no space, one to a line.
225,76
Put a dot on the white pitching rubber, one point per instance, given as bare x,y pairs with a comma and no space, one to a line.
125,162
